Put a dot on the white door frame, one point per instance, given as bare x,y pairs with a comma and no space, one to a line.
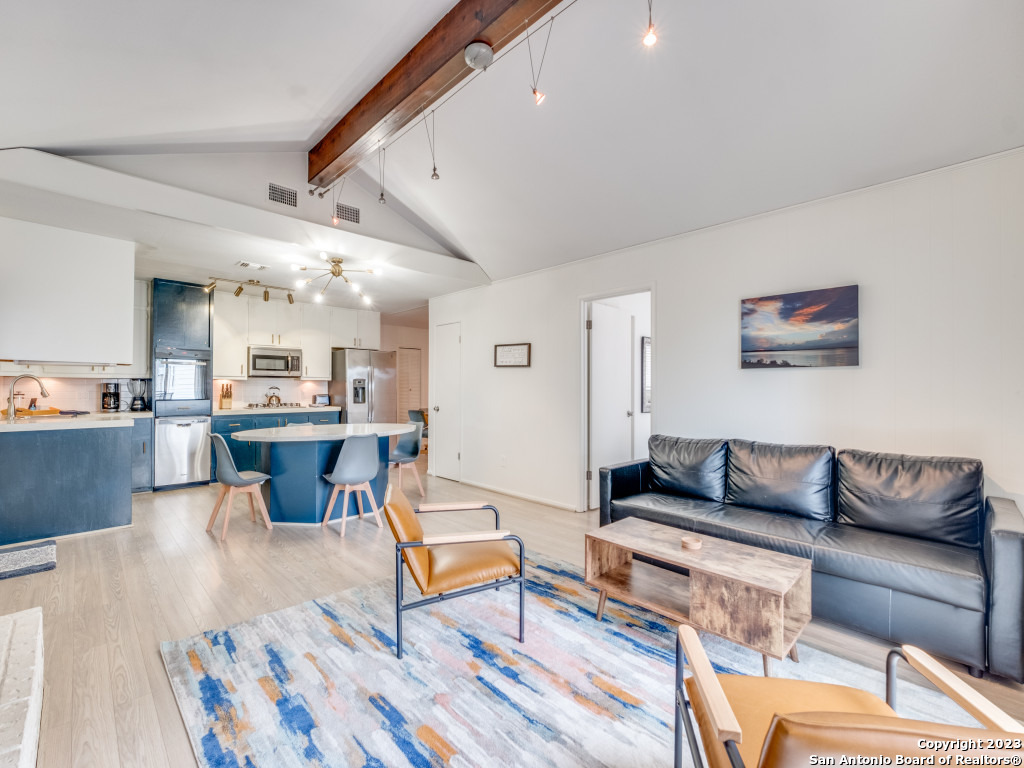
583,463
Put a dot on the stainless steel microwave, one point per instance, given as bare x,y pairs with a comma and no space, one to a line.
275,361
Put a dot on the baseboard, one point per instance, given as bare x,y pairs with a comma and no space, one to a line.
523,496
70,535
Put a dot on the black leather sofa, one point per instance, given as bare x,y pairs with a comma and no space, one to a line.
905,548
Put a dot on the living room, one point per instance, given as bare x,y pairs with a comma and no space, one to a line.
745,152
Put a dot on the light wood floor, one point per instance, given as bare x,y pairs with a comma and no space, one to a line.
114,596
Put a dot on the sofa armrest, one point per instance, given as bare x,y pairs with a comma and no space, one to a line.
619,481
1004,562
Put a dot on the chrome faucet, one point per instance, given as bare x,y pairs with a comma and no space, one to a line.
11,408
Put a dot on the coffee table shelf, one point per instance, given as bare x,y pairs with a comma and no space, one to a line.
754,597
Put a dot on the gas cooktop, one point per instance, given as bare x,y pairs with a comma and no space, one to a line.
278,405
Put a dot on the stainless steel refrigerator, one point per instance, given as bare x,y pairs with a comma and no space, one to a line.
365,384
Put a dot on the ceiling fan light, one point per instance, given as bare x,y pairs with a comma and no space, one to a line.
238,291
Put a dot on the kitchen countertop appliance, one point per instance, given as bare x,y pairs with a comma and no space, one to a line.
110,400
274,397
365,384
137,389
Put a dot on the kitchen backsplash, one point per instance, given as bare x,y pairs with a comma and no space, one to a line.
255,391
66,394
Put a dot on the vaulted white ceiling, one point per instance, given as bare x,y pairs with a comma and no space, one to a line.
742,107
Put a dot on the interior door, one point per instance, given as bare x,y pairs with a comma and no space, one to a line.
446,415
408,382
611,392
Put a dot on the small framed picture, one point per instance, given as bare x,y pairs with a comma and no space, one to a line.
512,355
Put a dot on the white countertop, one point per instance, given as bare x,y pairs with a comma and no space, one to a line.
304,433
271,411
88,421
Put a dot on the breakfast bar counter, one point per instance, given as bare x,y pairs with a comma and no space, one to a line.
297,457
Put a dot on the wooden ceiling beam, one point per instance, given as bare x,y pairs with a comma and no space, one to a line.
433,67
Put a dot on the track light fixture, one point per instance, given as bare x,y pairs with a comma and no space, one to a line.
432,141
538,95
266,294
334,201
238,290
241,285
650,38
321,193
380,162
210,287
479,55
291,299
312,191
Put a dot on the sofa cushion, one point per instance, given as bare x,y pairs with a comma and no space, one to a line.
688,467
936,498
757,528
941,572
796,479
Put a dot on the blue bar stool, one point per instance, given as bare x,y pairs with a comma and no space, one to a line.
406,452
357,465
231,482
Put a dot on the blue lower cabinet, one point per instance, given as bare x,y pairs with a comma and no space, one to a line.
268,422
325,417
243,452
59,481
142,455
294,418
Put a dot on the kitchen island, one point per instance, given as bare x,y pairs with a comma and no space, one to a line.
61,475
297,457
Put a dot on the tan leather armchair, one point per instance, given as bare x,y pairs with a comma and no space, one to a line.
775,723
450,565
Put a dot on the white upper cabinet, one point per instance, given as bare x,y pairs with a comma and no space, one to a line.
316,341
343,327
368,327
230,336
142,338
273,323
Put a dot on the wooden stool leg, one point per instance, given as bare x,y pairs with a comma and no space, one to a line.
252,507
344,510
400,476
793,654
330,505
416,473
216,507
359,501
258,493
373,504
227,512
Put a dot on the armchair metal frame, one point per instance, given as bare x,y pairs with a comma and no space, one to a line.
976,705
431,541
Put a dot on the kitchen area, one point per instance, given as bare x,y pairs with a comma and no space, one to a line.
189,360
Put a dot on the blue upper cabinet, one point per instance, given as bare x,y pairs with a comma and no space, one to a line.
181,315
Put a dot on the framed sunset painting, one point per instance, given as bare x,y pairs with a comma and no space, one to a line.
809,329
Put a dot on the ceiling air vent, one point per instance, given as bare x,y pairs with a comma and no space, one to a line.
283,195
347,213
250,265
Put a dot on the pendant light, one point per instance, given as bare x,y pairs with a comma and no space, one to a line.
650,38
432,142
380,163
334,201
538,95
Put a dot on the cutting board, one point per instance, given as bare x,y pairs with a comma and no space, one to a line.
27,412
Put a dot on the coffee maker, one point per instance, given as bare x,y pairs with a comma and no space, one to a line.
111,398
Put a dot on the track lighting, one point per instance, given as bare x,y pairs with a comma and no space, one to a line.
380,162
650,38
238,291
336,193
266,294
291,299
321,194
241,285
538,95
432,142
211,286
334,220
312,192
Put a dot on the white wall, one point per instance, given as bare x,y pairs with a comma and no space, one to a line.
938,260
638,305
394,336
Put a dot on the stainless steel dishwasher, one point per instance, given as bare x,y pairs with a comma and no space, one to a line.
181,451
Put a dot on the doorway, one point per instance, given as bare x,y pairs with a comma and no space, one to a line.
618,375
446,415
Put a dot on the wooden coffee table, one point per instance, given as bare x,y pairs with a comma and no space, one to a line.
754,597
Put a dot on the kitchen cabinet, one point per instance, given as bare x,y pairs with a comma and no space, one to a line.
325,417
243,453
181,315
142,455
267,422
316,341
230,337
368,327
273,323
294,418
355,328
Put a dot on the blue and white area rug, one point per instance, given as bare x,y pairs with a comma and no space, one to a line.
318,684
30,558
